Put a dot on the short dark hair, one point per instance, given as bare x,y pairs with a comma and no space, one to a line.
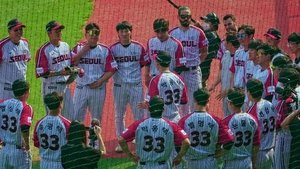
183,8
53,100
268,50
76,133
20,87
201,96
161,24
233,18
255,88
156,106
236,97
294,37
249,30
91,26
232,38
282,61
163,58
289,77
124,25
255,43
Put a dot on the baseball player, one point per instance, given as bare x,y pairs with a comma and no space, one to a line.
167,85
195,49
265,73
206,133
14,56
98,64
155,139
163,42
294,46
287,82
252,65
265,115
50,133
131,57
51,60
232,44
15,121
246,133
273,38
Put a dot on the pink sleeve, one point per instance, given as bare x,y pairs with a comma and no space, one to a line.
181,122
26,115
41,62
179,133
153,86
36,141
66,123
74,53
109,62
143,60
184,97
225,134
253,111
232,67
203,42
179,54
129,133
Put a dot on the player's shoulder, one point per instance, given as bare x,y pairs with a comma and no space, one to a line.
41,120
24,40
4,41
101,45
175,40
64,44
64,120
44,46
114,44
153,39
173,29
195,28
186,117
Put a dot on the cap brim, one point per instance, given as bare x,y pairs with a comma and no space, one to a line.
58,27
18,26
203,18
271,36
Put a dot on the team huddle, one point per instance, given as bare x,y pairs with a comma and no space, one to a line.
174,127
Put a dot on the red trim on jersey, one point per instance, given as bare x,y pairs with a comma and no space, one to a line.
109,60
269,82
153,86
2,43
181,122
66,123
75,51
232,67
129,133
178,53
41,60
225,134
36,142
282,109
184,97
26,115
143,62
253,111
179,133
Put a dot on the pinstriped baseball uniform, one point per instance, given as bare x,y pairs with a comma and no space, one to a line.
192,41
50,134
246,133
205,131
172,89
172,46
55,58
267,78
264,112
95,63
238,67
155,140
250,70
13,114
13,64
127,81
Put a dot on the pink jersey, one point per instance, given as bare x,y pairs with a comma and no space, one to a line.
52,58
238,67
95,63
172,89
263,112
13,114
13,60
205,131
50,134
171,46
284,107
130,59
246,133
267,78
155,138
192,41
250,70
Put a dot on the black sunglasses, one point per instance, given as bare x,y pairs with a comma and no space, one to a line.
185,16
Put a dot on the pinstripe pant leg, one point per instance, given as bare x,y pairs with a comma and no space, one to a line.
120,101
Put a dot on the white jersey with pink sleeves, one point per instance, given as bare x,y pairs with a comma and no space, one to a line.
205,132
250,70
238,67
95,63
246,133
53,58
13,60
267,78
155,138
130,59
171,46
221,50
265,114
172,89
50,134
192,41
13,114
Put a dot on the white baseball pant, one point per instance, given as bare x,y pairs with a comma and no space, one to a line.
282,149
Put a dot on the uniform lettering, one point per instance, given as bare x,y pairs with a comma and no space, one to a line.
18,58
188,43
240,63
122,59
60,58
154,128
90,61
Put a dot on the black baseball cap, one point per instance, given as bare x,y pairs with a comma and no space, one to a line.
54,25
53,100
273,33
19,87
201,96
294,37
15,24
211,17
156,105
163,58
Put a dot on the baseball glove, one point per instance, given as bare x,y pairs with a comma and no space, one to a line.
73,72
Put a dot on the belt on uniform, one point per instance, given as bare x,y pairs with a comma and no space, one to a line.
184,68
160,162
62,83
192,68
17,147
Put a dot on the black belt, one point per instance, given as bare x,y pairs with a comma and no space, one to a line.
62,83
193,68
17,147
159,163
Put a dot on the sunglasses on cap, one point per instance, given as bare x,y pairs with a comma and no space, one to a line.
94,32
185,16
241,35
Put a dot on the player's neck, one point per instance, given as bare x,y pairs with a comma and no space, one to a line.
237,110
265,65
54,42
184,28
125,42
200,109
15,41
164,70
54,112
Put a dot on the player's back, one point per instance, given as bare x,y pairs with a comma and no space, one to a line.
154,140
50,136
203,131
244,128
10,114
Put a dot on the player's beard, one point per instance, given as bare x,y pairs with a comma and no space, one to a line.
185,23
